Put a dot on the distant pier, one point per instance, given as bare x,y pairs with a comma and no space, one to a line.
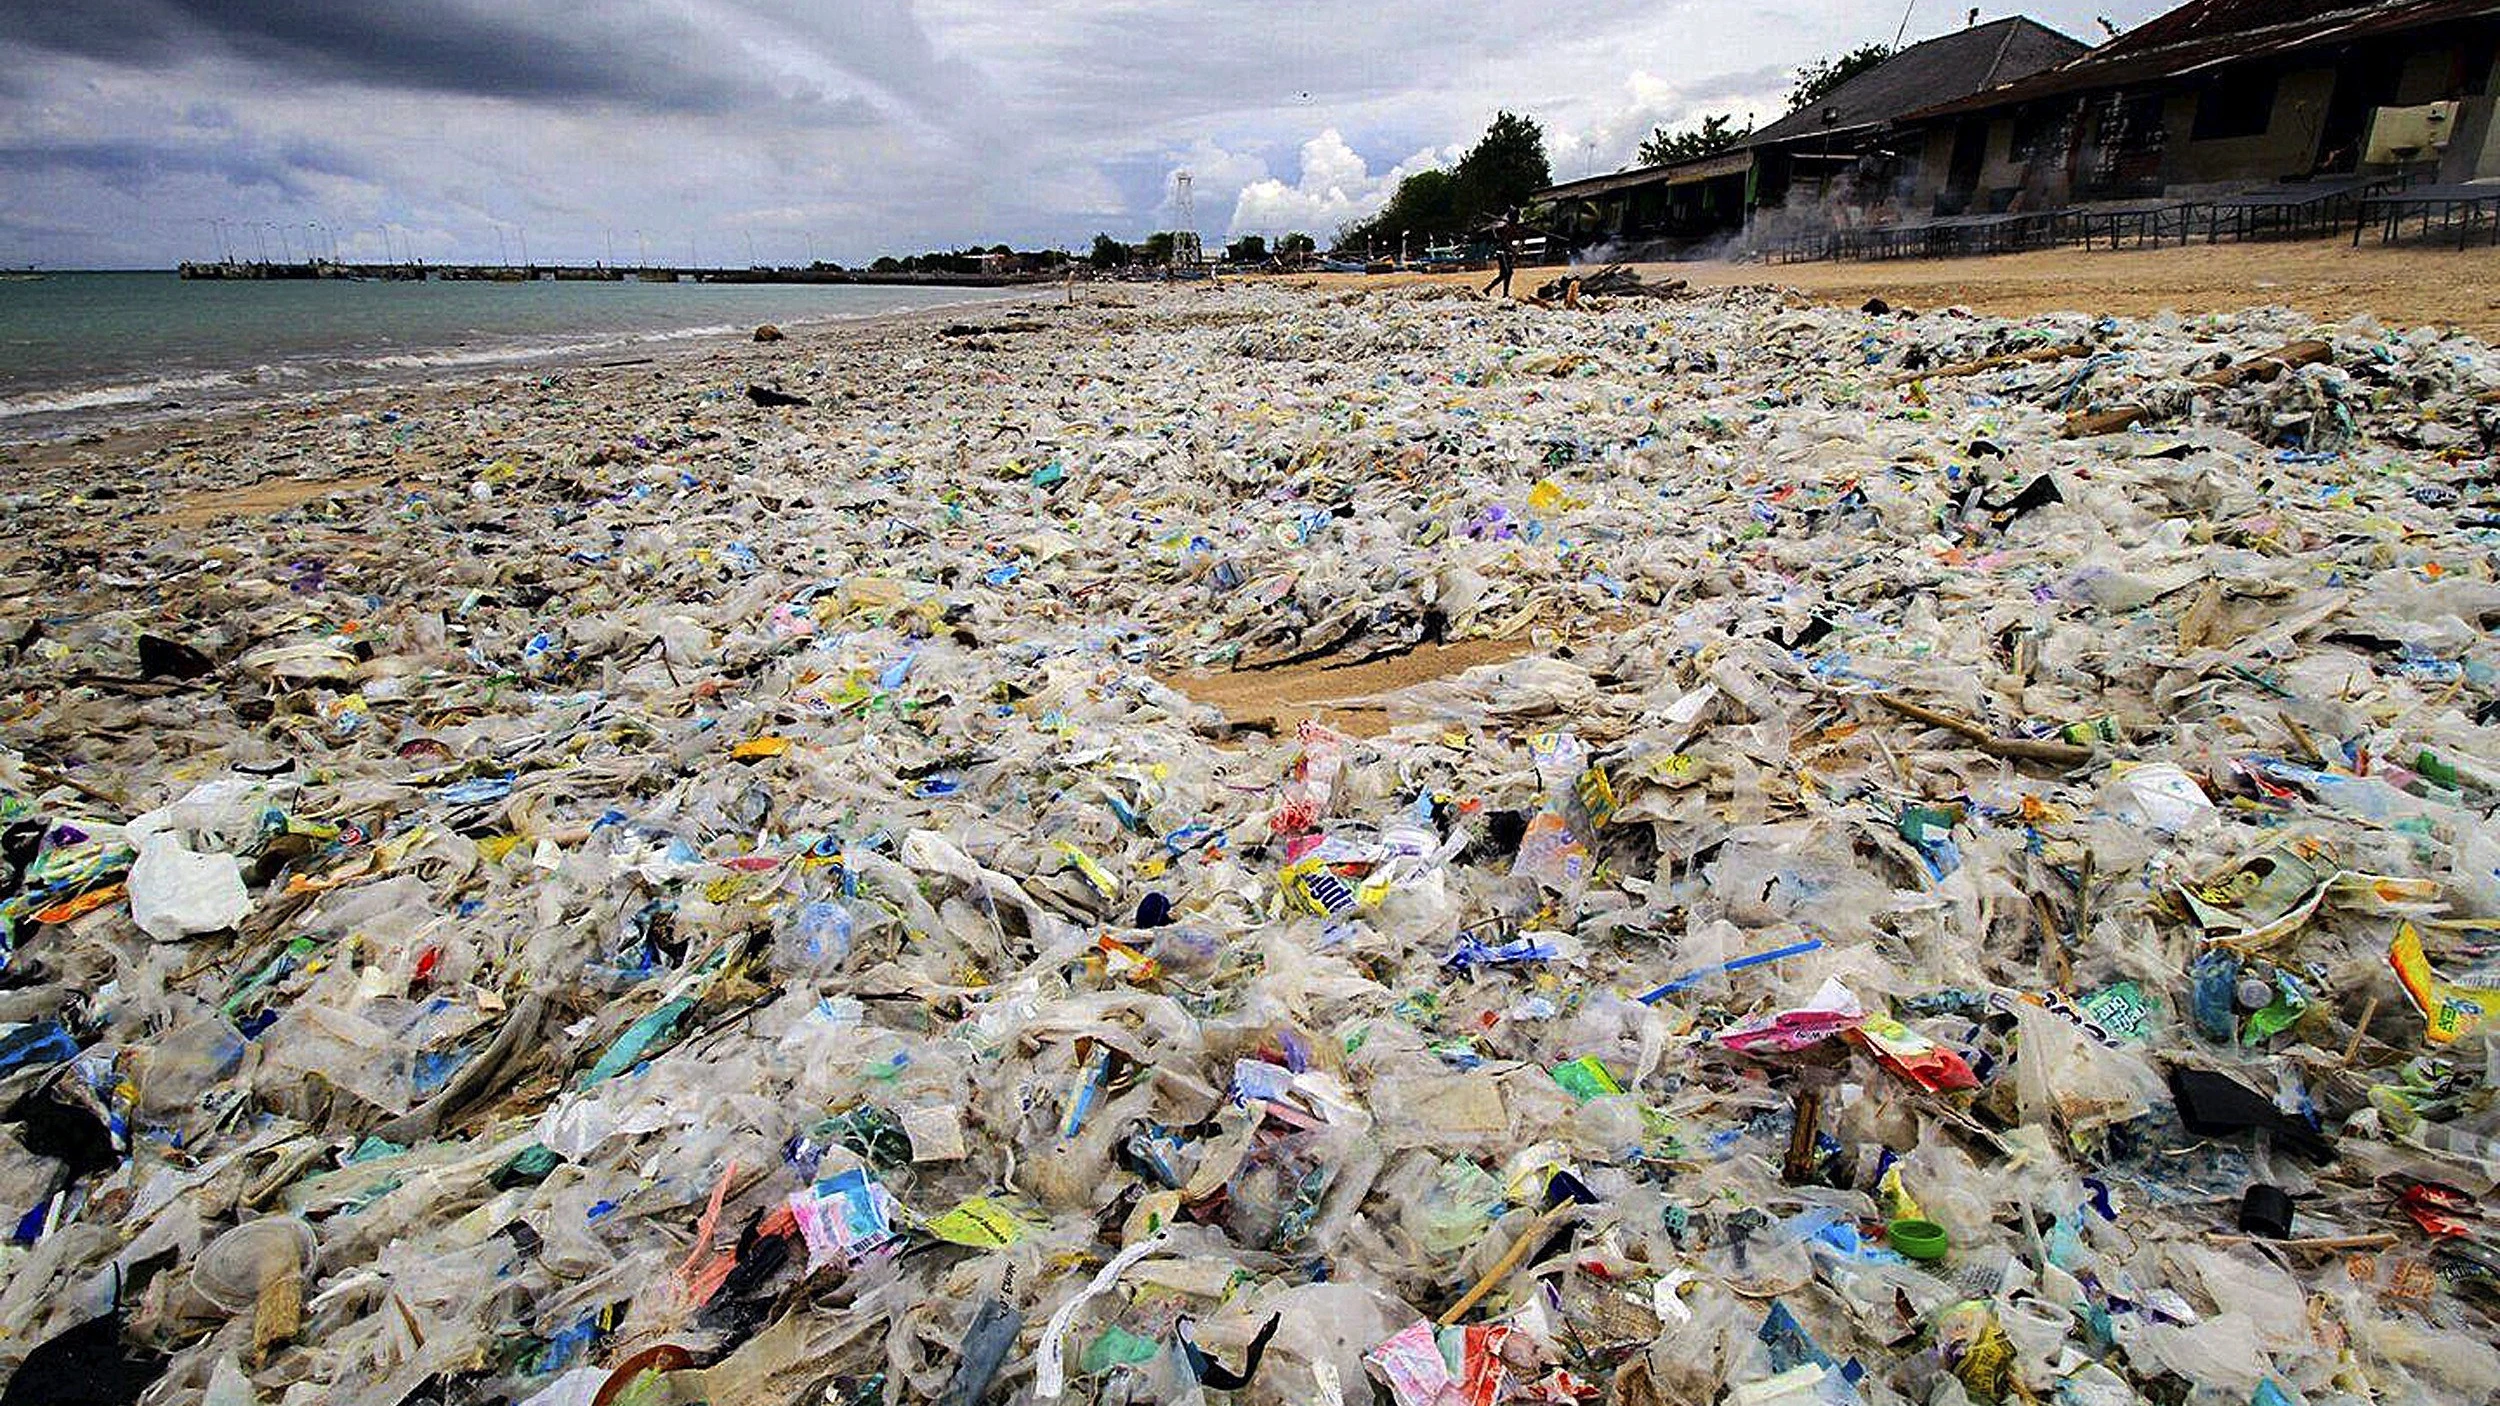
255,271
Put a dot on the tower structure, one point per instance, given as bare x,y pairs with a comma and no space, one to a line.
1187,252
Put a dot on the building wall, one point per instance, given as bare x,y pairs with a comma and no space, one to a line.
2040,181
1933,161
2473,143
2425,78
2420,67
2289,146
2002,169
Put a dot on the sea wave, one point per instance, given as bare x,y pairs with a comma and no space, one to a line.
453,358
104,397
322,371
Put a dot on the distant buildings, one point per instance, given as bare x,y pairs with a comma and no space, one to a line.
1850,146
2213,97
2219,95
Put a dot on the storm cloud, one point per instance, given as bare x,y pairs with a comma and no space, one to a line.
132,131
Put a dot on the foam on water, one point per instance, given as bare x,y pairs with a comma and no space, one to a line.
78,347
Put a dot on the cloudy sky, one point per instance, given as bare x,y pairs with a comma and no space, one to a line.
129,129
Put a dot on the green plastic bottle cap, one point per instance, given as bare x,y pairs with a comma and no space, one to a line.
1918,1239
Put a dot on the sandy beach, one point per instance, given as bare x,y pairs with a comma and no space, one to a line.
2403,287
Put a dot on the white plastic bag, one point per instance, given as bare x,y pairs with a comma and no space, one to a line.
176,892
2160,797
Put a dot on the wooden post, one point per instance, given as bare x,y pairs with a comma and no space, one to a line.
1798,1167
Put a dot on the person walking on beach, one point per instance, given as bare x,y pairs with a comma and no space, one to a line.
1504,261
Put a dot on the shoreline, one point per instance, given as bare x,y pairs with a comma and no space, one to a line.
117,441
214,391
2322,279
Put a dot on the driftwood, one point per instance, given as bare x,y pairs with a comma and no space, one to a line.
1614,280
1528,1238
2084,425
2012,748
1991,363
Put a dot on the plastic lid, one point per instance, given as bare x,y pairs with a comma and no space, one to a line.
1918,1239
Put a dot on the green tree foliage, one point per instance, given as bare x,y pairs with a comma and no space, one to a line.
1816,80
1109,253
1718,132
1297,243
1249,249
968,259
1498,174
1505,167
1425,204
1157,248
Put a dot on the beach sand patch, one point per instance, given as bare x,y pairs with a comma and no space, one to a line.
1321,689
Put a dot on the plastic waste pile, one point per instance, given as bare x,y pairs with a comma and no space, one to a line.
673,899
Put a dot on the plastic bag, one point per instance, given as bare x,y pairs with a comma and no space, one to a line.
175,893
2064,1076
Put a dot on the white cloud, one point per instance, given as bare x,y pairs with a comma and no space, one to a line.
870,126
1336,185
1216,176
1609,137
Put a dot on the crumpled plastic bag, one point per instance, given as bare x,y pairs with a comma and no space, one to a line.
2062,1075
177,892
2160,797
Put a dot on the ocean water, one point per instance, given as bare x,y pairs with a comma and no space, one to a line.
76,347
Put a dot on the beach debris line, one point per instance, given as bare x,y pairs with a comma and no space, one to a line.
2288,357
1614,280
648,901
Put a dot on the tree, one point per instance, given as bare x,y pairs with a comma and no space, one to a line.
1110,253
1497,175
1249,249
886,264
1816,80
1297,243
1425,204
1001,250
1505,167
1718,132
1157,248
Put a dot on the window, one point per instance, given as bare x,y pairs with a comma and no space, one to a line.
2128,123
2038,133
2123,157
2238,103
